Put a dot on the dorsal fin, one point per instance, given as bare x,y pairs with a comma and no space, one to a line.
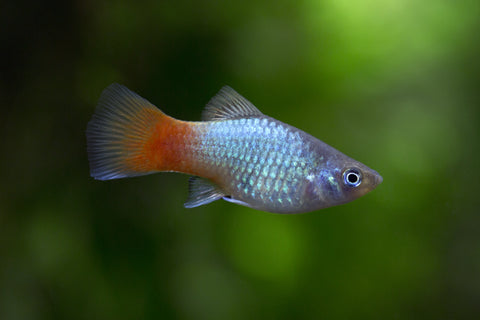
229,104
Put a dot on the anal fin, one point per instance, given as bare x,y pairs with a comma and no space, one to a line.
201,191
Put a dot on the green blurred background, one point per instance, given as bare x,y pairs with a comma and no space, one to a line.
392,83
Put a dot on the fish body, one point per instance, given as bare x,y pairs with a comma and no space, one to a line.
237,154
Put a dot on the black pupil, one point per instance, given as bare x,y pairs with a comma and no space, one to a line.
352,178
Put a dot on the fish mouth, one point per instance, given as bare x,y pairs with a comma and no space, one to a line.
375,178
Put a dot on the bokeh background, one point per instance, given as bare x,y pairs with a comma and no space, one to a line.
392,83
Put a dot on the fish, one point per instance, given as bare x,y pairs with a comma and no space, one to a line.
235,153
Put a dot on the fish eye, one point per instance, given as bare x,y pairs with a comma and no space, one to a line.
352,177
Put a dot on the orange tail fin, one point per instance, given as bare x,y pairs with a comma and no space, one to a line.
122,134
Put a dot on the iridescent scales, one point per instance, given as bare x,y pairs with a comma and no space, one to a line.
256,159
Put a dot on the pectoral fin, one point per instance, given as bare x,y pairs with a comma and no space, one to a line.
201,191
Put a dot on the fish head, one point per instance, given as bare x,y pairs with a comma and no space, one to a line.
356,180
341,181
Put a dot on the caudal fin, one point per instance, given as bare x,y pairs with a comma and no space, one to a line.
121,133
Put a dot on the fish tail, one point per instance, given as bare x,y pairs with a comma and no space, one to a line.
125,136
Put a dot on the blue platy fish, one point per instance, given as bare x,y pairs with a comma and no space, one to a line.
236,153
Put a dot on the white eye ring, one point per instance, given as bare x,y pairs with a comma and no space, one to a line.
352,177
